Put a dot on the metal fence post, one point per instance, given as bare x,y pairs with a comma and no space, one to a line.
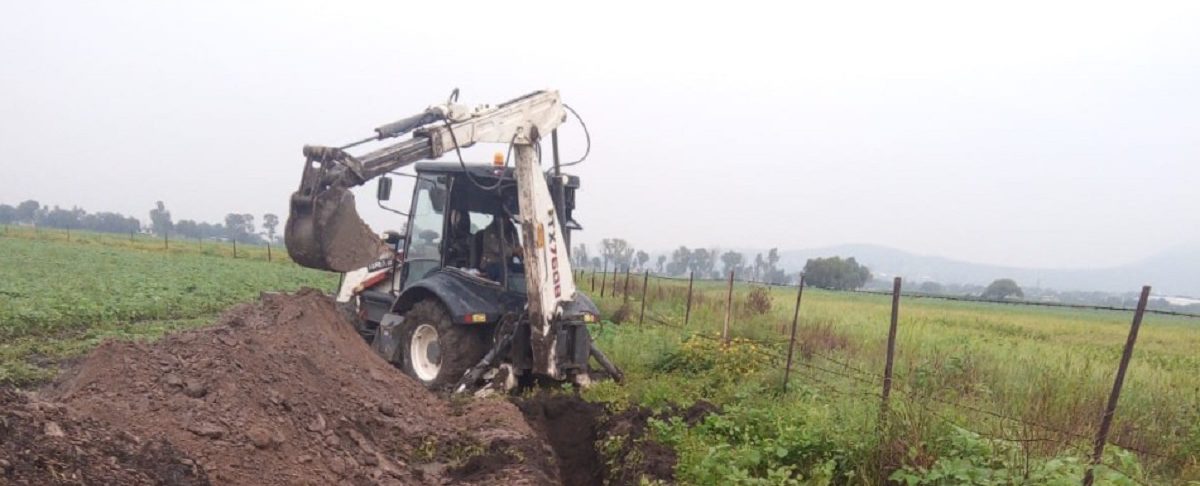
792,341
891,350
728,310
687,313
645,283
1111,409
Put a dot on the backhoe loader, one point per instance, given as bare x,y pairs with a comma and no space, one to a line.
477,291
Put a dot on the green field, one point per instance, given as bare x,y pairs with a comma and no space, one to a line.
984,393
60,298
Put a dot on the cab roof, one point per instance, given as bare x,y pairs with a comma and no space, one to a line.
480,171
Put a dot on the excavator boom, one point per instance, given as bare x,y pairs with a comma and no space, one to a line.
324,230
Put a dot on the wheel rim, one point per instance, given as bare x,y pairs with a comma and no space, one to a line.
426,355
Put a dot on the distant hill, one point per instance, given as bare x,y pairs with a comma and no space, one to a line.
1172,272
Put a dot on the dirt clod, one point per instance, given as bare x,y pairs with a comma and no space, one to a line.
260,437
195,389
53,430
206,429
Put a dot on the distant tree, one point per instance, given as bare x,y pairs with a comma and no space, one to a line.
662,261
732,261
931,287
771,271
235,226
270,222
580,256
616,250
63,218
8,214
160,219
642,258
759,266
1001,289
188,229
27,211
596,262
681,261
835,273
248,223
703,262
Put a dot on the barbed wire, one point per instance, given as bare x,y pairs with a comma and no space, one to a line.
919,295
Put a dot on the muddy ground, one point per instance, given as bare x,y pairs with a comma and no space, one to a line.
284,391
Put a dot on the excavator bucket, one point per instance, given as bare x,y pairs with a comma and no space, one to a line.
325,232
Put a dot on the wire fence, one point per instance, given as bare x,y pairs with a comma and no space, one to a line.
926,295
854,381
167,242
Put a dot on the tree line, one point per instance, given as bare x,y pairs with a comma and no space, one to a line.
711,263
237,227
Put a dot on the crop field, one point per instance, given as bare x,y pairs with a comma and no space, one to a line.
60,298
984,393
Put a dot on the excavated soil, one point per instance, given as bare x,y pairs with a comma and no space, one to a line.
41,444
285,391
282,391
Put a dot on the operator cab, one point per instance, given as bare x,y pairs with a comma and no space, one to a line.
463,220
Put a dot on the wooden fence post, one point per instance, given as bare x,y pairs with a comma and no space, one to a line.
687,313
603,278
728,310
792,341
166,243
268,252
235,247
593,280
891,350
645,282
625,290
1111,409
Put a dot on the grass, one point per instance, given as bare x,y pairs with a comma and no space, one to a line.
58,299
959,365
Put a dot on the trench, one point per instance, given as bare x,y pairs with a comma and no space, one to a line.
570,425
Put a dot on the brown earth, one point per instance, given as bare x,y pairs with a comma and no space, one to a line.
41,444
282,391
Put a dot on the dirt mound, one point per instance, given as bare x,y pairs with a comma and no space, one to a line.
284,391
41,444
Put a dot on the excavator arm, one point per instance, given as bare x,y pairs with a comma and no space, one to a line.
324,230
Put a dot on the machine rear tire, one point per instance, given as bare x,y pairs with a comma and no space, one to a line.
437,352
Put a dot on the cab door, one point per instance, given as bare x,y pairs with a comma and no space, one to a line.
426,229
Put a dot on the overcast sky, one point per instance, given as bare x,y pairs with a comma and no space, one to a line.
1033,134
